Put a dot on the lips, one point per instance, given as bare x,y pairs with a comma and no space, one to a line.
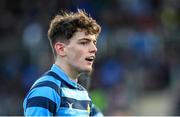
90,59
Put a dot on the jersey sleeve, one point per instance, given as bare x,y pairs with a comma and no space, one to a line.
95,111
42,100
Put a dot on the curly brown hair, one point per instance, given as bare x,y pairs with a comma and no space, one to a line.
62,27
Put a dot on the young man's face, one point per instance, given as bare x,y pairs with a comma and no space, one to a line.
80,51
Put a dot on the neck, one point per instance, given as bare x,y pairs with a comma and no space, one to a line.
73,74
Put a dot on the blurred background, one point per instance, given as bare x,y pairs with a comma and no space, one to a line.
137,69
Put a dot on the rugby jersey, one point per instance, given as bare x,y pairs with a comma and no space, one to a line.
55,94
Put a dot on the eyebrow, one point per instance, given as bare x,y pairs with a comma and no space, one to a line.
88,39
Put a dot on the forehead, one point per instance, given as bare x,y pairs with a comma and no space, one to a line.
83,35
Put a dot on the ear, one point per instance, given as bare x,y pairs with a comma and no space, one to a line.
59,48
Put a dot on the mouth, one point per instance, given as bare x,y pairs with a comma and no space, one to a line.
90,59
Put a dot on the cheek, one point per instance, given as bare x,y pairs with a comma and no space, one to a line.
76,54
79,55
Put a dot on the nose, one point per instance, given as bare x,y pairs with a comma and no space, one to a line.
93,48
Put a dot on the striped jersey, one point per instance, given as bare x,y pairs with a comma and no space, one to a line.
55,94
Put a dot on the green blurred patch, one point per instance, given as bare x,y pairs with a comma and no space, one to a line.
99,98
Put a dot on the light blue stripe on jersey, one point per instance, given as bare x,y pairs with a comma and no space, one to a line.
41,111
48,78
42,91
75,94
73,112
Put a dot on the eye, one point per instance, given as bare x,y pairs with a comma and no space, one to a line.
84,42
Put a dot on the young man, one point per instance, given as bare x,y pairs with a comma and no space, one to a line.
73,39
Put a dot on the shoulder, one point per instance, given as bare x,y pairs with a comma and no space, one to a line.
44,94
47,80
45,88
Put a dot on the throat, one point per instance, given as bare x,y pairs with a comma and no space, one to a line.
71,73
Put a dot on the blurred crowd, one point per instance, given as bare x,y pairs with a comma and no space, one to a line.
137,67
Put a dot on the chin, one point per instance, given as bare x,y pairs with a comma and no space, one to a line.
87,70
